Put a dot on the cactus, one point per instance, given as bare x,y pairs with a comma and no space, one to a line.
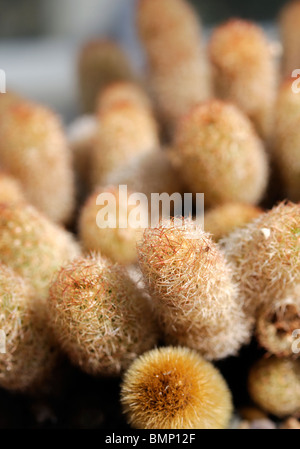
178,72
274,384
222,220
175,388
100,63
244,70
289,25
116,243
30,354
99,316
191,285
34,149
32,245
219,154
277,322
265,256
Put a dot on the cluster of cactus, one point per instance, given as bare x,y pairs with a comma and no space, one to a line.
158,306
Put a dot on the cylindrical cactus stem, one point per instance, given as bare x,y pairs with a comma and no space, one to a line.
245,71
178,73
100,63
219,154
99,316
274,384
286,139
265,255
33,148
126,130
191,285
289,23
32,245
149,173
29,354
278,324
175,388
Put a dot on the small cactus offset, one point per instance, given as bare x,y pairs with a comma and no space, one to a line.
274,384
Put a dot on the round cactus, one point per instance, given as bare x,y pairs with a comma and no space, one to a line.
175,388
219,154
99,316
274,384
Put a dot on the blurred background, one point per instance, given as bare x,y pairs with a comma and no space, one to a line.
40,39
